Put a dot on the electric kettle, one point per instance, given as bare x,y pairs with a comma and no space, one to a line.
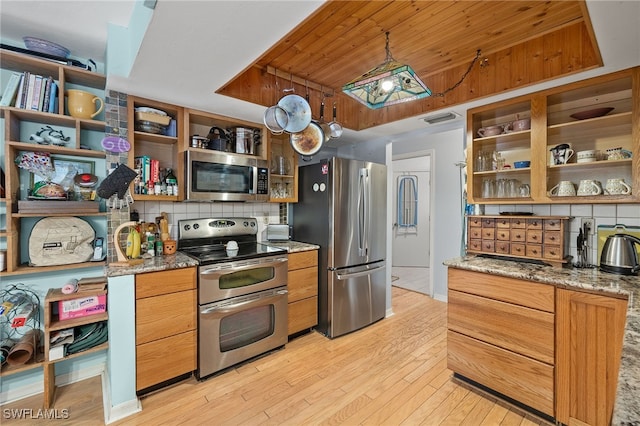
619,255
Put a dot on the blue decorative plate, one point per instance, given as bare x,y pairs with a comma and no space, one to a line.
44,46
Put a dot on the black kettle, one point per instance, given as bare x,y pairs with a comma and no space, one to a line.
619,255
218,139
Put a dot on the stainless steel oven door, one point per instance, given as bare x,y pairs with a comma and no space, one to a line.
221,281
240,328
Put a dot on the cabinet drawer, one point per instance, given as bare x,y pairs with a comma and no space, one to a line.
303,314
302,259
534,236
171,281
503,234
552,237
162,316
552,252
534,250
518,223
552,224
534,223
488,233
518,249
488,222
475,233
503,223
510,290
519,329
165,359
502,247
488,246
518,235
475,222
302,283
475,245
516,376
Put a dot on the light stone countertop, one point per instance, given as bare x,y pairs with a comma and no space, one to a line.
153,264
627,405
292,246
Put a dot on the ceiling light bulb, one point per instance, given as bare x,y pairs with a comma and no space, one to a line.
387,85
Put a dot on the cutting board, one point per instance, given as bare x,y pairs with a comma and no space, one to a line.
605,230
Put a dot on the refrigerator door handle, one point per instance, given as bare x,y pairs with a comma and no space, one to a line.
363,212
359,273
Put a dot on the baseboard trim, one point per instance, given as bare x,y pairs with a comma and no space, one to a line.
120,411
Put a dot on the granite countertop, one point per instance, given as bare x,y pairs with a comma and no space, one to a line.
292,246
627,405
153,264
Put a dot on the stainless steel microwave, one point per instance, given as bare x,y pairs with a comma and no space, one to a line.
216,176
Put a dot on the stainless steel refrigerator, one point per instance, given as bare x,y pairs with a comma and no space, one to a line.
342,208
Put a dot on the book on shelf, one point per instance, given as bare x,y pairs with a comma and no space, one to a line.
53,98
31,85
142,165
22,90
11,90
46,97
34,105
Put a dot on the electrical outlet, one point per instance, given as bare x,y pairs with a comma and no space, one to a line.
589,224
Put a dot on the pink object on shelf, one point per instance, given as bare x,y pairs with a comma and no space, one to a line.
82,307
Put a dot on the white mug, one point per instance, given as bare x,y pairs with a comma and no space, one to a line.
564,189
589,187
617,186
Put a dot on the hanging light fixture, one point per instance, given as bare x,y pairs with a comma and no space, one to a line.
387,84
392,83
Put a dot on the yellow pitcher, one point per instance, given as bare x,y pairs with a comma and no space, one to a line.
81,104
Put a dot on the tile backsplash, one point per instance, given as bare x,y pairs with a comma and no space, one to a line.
603,214
265,212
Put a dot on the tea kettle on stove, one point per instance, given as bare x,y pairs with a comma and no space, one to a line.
619,255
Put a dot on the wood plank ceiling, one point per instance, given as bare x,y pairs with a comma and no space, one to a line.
522,42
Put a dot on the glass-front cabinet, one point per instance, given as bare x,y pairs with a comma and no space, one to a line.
571,144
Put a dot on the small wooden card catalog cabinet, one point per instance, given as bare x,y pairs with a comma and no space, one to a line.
543,238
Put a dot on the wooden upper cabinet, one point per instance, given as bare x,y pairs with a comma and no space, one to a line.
595,114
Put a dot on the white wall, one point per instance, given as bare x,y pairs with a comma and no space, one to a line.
446,210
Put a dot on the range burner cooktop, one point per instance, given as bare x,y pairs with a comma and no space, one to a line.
205,239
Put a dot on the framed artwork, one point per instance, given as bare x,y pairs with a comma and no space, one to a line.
63,167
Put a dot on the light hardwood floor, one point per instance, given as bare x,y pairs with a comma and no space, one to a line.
391,373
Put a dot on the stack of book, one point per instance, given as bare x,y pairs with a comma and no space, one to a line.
31,91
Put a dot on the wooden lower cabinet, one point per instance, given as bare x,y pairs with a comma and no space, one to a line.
302,283
519,377
166,325
553,349
589,334
501,335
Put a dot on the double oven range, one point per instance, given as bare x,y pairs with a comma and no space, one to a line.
242,293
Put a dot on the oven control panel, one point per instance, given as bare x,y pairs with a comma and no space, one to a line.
216,227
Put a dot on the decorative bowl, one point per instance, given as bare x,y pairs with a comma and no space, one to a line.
592,113
45,46
521,164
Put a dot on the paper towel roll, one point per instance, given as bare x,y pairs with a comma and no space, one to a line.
70,287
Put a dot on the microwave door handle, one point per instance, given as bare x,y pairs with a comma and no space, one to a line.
253,177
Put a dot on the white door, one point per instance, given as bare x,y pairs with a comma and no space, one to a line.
412,192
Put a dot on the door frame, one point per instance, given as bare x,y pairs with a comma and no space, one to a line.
430,153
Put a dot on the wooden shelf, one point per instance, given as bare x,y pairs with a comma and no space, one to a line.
25,270
58,214
8,370
150,137
26,146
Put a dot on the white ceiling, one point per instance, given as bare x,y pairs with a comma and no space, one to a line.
193,47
